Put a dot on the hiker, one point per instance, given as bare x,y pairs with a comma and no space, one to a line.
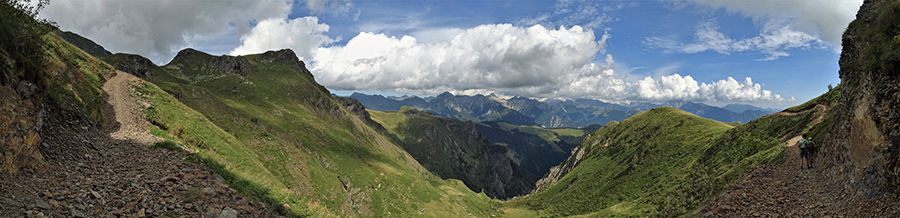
805,149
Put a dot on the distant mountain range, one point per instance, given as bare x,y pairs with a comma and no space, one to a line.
551,113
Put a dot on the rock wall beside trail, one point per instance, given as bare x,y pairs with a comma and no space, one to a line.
862,150
21,119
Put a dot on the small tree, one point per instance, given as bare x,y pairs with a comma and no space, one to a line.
20,35
829,87
20,26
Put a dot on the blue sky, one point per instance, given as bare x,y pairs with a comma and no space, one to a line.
766,53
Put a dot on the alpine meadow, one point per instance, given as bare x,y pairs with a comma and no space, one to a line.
343,108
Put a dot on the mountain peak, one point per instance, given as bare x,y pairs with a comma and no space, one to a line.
286,56
446,94
204,62
186,54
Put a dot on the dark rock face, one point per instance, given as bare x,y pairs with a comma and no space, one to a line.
863,148
354,107
454,149
224,63
483,166
286,56
21,119
557,172
84,44
134,64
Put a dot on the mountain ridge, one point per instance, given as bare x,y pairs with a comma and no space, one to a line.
551,114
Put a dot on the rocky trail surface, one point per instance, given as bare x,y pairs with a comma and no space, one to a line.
787,190
112,171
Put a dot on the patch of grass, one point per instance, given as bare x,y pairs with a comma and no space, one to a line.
169,145
192,195
568,132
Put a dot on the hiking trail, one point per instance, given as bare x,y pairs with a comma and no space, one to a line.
787,190
111,171
129,122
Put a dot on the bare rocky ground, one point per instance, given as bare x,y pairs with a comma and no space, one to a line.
787,190
112,171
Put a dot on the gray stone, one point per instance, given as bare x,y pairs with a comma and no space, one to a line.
209,190
228,213
43,205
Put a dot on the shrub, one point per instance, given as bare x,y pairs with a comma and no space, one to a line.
170,145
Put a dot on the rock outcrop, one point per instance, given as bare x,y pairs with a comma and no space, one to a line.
355,107
286,56
224,63
454,149
84,44
863,149
557,172
21,118
135,64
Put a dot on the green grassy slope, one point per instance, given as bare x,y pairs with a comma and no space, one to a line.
666,162
633,168
284,137
454,149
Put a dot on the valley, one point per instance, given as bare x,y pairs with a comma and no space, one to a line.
86,132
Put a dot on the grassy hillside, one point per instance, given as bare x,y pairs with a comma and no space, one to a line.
666,162
632,168
283,137
455,149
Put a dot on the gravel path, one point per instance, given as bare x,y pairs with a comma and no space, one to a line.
129,123
787,190
111,172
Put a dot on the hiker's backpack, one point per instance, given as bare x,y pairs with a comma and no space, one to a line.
810,146
804,143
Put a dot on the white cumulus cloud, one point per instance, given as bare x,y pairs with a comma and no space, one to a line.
502,56
676,87
504,59
302,34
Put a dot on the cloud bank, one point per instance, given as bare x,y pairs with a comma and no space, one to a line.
775,38
303,35
329,6
686,88
504,59
158,29
824,18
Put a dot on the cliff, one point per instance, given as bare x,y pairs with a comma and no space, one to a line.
862,148
454,149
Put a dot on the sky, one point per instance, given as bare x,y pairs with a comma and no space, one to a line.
769,53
